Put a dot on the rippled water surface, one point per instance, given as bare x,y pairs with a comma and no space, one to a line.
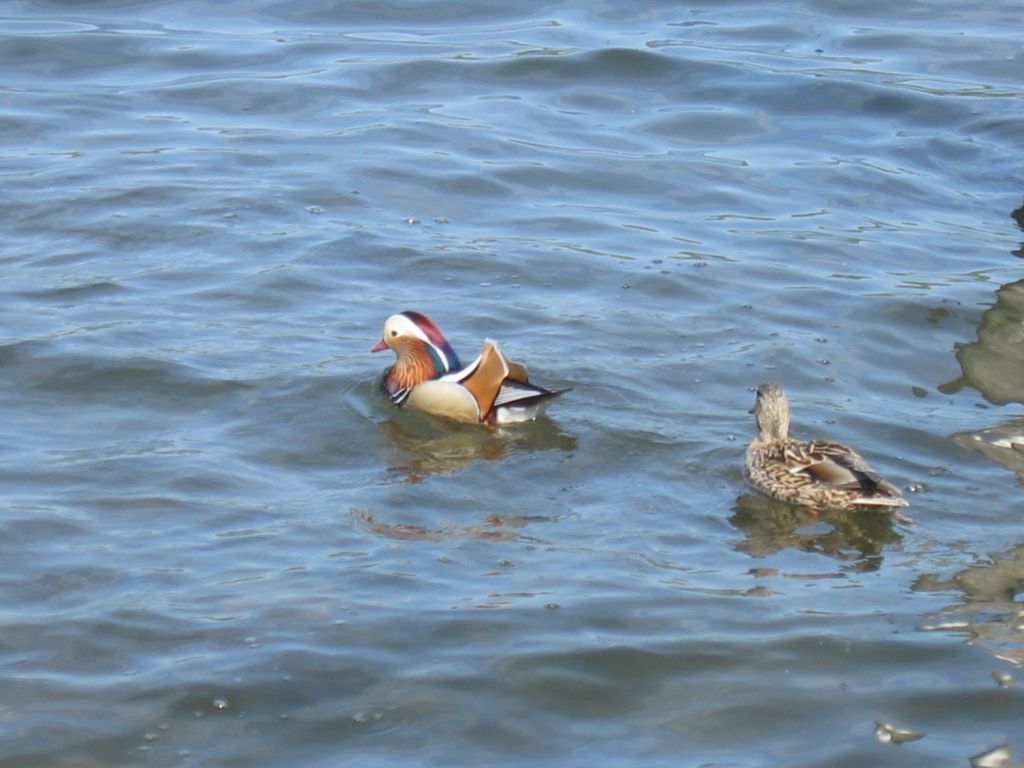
221,547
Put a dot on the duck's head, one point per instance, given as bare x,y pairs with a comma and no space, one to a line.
771,408
417,341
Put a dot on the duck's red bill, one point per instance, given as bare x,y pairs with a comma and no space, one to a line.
381,346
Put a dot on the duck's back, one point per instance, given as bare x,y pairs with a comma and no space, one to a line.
822,473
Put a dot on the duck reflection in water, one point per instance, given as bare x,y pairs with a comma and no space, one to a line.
990,610
1018,216
857,538
494,526
420,445
1003,444
994,365
424,445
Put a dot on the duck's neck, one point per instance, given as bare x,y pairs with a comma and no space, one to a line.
414,365
774,430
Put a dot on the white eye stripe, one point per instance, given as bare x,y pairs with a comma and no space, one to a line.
400,325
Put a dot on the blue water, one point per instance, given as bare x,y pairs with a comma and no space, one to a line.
223,548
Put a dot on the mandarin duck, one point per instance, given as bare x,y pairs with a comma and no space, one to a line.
427,376
822,474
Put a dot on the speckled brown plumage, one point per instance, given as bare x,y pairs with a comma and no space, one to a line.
822,474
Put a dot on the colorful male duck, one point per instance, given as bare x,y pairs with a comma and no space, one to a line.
821,474
427,376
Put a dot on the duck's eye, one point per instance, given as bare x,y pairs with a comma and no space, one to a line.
394,333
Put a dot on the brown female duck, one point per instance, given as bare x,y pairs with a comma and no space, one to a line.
821,474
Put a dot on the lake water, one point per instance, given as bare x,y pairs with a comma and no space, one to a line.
223,548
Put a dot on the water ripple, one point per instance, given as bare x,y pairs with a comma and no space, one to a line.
216,528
